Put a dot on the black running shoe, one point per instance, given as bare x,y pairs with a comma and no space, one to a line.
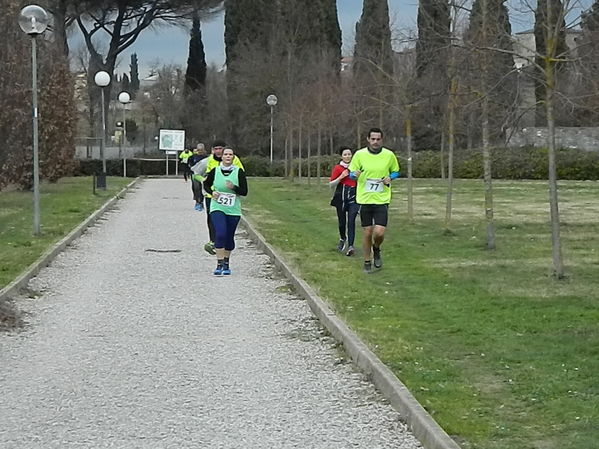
378,262
367,267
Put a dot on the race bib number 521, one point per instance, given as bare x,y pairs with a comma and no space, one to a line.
374,185
226,199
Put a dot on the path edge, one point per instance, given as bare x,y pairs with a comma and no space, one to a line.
20,283
430,434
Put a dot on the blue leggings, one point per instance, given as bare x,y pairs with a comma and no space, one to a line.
224,227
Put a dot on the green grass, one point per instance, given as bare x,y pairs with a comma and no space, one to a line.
63,206
500,353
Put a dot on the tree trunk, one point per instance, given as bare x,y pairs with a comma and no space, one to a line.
291,169
331,141
558,266
442,153
309,158
287,138
470,133
59,17
450,149
318,152
486,141
409,145
487,174
299,142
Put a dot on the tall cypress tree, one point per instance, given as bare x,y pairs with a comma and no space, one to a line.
432,46
550,41
195,76
134,72
331,32
271,47
125,84
249,26
432,53
497,67
373,59
373,56
310,37
588,52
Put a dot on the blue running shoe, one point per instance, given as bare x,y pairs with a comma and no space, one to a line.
218,271
226,268
199,207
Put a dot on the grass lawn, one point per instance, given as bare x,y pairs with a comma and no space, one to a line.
63,206
500,353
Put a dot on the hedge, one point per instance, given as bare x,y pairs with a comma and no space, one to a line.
507,163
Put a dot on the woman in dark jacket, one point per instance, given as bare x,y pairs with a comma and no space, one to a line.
227,184
344,200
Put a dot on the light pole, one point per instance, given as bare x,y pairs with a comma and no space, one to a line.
124,98
33,20
271,100
102,79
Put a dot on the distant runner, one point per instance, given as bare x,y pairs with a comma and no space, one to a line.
193,162
374,167
185,154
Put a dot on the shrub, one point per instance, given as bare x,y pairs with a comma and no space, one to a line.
507,163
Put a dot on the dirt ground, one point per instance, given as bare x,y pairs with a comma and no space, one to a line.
9,316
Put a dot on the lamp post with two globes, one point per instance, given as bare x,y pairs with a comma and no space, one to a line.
33,20
102,79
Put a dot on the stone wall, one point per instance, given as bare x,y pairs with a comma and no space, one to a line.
580,138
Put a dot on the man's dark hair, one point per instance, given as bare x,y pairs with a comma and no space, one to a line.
375,130
219,143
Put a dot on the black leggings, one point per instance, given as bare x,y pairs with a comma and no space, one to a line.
196,188
347,219
186,171
209,221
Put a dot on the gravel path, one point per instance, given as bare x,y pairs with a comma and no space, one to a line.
130,348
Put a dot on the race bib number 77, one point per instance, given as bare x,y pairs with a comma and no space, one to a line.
374,185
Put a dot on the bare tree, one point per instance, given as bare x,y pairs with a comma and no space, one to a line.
120,23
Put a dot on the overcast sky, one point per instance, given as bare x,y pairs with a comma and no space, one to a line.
171,45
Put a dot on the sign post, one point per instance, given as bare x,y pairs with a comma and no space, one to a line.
171,141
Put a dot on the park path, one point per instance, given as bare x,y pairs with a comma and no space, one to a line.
132,343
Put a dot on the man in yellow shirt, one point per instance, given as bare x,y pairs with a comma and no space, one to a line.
183,157
374,167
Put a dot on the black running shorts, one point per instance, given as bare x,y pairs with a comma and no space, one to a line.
374,214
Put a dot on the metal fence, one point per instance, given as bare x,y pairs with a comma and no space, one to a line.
90,148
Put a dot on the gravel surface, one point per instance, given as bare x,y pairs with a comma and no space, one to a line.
130,348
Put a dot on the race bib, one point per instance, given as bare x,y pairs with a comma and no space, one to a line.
226,199
374,186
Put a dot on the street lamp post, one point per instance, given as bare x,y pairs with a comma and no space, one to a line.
124,98
271,100
102,79
33,20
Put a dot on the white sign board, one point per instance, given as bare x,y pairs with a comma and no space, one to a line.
172,140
